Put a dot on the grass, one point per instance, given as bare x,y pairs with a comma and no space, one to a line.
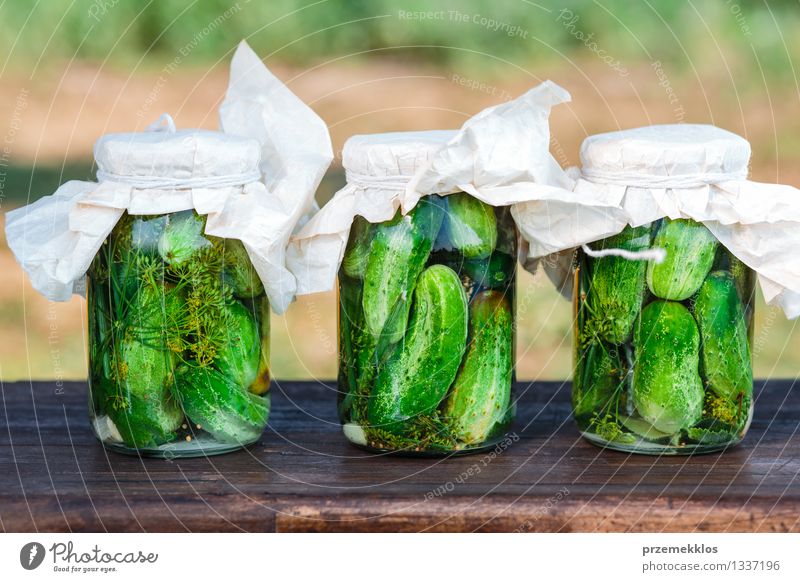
478,33
24,184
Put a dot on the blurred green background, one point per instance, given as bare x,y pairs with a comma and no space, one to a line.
74,70
303,32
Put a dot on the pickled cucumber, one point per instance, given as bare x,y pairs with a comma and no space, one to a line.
481,393
493,272
144,410
240,356
261,384
398,253
143,406
599,379
690,248
145,234
616,286
354,263
725,349
743,276
182,238
667,389
218,405
239,271
417,375
135,245
356,355
471,226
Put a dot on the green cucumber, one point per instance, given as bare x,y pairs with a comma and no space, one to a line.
220,406
260,385
667,389
398,253
725,353
471,226
144,410
690,248
394,329
350,323
100,332
616,285
643,429
135,243
493,272
182,238
119,263
481,393
146,232
238,270
416,376
356,354
744,278
155,313
598,382
240,353
354,263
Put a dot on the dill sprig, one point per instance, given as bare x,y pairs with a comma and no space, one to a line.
203,329
607,428
422,433
731,412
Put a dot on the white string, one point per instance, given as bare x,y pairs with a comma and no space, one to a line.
639,180
655,254
163,123
166,183
382,182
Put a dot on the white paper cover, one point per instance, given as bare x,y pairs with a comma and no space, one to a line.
254,182
634,177
500,156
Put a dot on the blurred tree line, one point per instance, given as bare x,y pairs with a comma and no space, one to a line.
474,32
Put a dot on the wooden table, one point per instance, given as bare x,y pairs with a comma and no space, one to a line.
302,475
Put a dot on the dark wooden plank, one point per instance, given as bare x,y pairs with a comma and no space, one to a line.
302,475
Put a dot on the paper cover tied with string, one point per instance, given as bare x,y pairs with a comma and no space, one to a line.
500,156
253,181
699,172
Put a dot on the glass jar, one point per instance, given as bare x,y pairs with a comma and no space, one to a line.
663,350
427,328
178,339
178,245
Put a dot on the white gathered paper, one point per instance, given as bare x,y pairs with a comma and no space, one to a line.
500,156
699,172
254,182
